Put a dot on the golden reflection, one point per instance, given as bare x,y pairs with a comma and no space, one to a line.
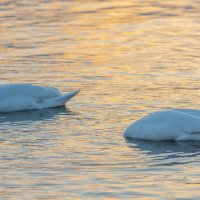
128,58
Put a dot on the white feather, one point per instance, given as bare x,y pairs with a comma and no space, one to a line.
167,125
16,97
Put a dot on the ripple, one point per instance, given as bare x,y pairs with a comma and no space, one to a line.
129,58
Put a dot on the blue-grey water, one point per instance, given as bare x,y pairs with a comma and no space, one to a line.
129,58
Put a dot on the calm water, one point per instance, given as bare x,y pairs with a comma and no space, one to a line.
129,58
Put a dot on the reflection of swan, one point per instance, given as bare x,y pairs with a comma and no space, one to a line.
162,147
167,152
16,97
179,124
30,115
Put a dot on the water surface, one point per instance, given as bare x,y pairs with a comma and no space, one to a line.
129,58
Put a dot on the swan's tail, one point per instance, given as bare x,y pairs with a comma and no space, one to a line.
66,97
59,101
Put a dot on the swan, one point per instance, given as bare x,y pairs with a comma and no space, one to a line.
17,97
177,125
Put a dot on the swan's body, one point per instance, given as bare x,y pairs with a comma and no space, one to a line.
16,97
180,124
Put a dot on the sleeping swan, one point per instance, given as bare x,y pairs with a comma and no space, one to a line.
178,124
17,97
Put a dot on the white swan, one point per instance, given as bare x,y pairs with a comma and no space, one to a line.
179,124
17,97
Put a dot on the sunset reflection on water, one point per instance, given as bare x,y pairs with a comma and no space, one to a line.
128,58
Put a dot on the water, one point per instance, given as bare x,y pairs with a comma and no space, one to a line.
129,58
